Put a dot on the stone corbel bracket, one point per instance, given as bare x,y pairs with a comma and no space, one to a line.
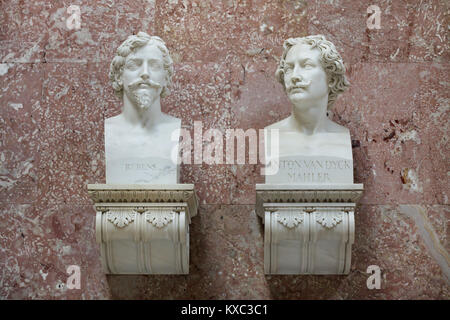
308,229
144,229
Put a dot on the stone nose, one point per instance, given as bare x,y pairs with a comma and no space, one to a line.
296,76
145,73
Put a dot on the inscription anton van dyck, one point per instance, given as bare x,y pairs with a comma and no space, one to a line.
312,171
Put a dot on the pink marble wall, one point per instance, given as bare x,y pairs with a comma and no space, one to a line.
55,96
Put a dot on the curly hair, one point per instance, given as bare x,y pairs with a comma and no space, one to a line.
132,43
331,62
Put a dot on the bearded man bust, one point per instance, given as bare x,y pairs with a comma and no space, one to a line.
139,141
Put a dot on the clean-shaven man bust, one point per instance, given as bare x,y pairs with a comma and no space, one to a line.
313,75
138,141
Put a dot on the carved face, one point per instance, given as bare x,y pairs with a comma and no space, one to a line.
304,77
144,76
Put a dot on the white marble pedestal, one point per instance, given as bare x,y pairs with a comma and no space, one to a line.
144,229
308,229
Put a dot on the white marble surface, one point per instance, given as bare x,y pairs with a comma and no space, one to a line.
311,147
144,229
322,158
308,229
137,156
143,215
309,225
140,141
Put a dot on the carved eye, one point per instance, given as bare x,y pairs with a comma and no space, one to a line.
288,68
132,65
155,65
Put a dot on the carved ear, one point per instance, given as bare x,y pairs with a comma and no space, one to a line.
119,80
165,89
165,92
119,77
330,81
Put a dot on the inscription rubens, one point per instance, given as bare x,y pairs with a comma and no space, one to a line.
139,166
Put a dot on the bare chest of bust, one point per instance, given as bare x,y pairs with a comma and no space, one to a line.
135,154
320,144
319,158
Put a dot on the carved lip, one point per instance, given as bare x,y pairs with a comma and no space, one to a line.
145,84
297,89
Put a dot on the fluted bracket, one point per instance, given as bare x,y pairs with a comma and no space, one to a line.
144,229
308,229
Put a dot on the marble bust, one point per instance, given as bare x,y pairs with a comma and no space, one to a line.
140,140
312,148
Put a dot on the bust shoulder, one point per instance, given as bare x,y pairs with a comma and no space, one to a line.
119,122
115,122
280,125
334,127
286,125
115,119
170,119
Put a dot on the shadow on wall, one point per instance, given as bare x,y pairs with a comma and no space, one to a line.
288,287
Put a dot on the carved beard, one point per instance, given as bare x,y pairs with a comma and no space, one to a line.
144,98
